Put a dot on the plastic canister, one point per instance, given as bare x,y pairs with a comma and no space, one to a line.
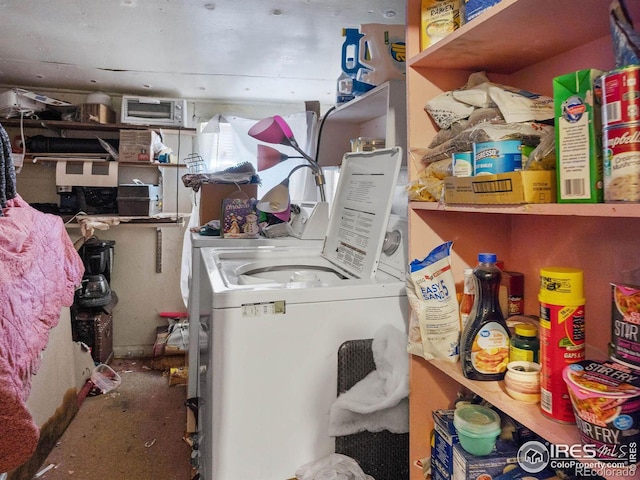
478,428
562,336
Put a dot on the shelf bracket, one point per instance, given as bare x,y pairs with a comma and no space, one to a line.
158,250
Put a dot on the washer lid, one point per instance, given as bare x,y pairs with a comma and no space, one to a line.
361,208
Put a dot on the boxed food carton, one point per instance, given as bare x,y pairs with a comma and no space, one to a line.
578,128
524,186
473,8
136,146
438,19
444,438
470,467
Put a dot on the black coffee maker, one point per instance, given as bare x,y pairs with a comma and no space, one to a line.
97,256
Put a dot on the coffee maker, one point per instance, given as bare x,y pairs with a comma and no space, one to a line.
91,313
97,256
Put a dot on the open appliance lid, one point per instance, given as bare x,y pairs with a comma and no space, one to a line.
361,208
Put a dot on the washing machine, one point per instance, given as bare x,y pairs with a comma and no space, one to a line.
275,317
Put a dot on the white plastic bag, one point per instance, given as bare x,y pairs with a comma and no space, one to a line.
332,467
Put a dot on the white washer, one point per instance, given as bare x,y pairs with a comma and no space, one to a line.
276,317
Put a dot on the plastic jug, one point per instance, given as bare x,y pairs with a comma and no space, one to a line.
382,52
351,52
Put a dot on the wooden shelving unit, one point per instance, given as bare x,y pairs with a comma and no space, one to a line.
524,44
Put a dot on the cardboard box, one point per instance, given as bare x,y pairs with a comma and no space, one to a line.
438,19
487,467
444,438
473,8
530,186
136,146
239,216
96,112
211,195
578,128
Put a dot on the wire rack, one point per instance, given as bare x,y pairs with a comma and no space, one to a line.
194,163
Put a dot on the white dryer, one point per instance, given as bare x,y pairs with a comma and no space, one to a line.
276,317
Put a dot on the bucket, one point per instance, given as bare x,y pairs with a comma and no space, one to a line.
606,403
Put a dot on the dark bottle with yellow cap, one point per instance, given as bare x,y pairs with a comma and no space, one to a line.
525,344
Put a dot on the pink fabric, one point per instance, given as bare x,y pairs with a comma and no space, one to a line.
39,271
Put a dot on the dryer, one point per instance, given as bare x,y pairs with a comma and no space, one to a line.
275,317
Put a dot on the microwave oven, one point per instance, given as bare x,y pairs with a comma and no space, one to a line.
169,112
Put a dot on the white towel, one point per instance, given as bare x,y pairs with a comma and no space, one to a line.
380,400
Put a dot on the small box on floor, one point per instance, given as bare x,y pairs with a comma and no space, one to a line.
470,467
444,438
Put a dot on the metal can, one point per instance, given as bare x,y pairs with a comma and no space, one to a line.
462,164
562,337
621,161
500,156
621,96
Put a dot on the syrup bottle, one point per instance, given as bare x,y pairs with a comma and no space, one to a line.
486,338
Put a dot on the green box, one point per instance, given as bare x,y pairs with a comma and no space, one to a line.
578,129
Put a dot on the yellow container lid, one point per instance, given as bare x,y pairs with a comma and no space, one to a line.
561,286
526,330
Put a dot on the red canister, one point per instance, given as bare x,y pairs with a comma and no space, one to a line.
562,337
621,96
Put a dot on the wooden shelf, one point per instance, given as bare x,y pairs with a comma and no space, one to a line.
524,44
495,41
105,127
130,221
617,210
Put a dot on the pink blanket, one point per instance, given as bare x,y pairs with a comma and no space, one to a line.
39,271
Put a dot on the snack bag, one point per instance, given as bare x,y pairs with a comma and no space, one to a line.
431,292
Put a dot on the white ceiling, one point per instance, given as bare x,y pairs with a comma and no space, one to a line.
229,50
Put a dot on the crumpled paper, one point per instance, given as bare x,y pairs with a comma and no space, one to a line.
332,467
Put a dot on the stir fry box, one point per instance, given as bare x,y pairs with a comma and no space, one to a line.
578,128
524,186
625,324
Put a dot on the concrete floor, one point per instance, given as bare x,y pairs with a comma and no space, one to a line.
132,433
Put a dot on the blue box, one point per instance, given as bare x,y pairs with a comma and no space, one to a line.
471,467
444,438
473,8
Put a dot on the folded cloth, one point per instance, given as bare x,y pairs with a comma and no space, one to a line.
380,400
332,467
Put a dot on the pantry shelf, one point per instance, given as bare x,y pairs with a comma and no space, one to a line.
527,414
615,210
